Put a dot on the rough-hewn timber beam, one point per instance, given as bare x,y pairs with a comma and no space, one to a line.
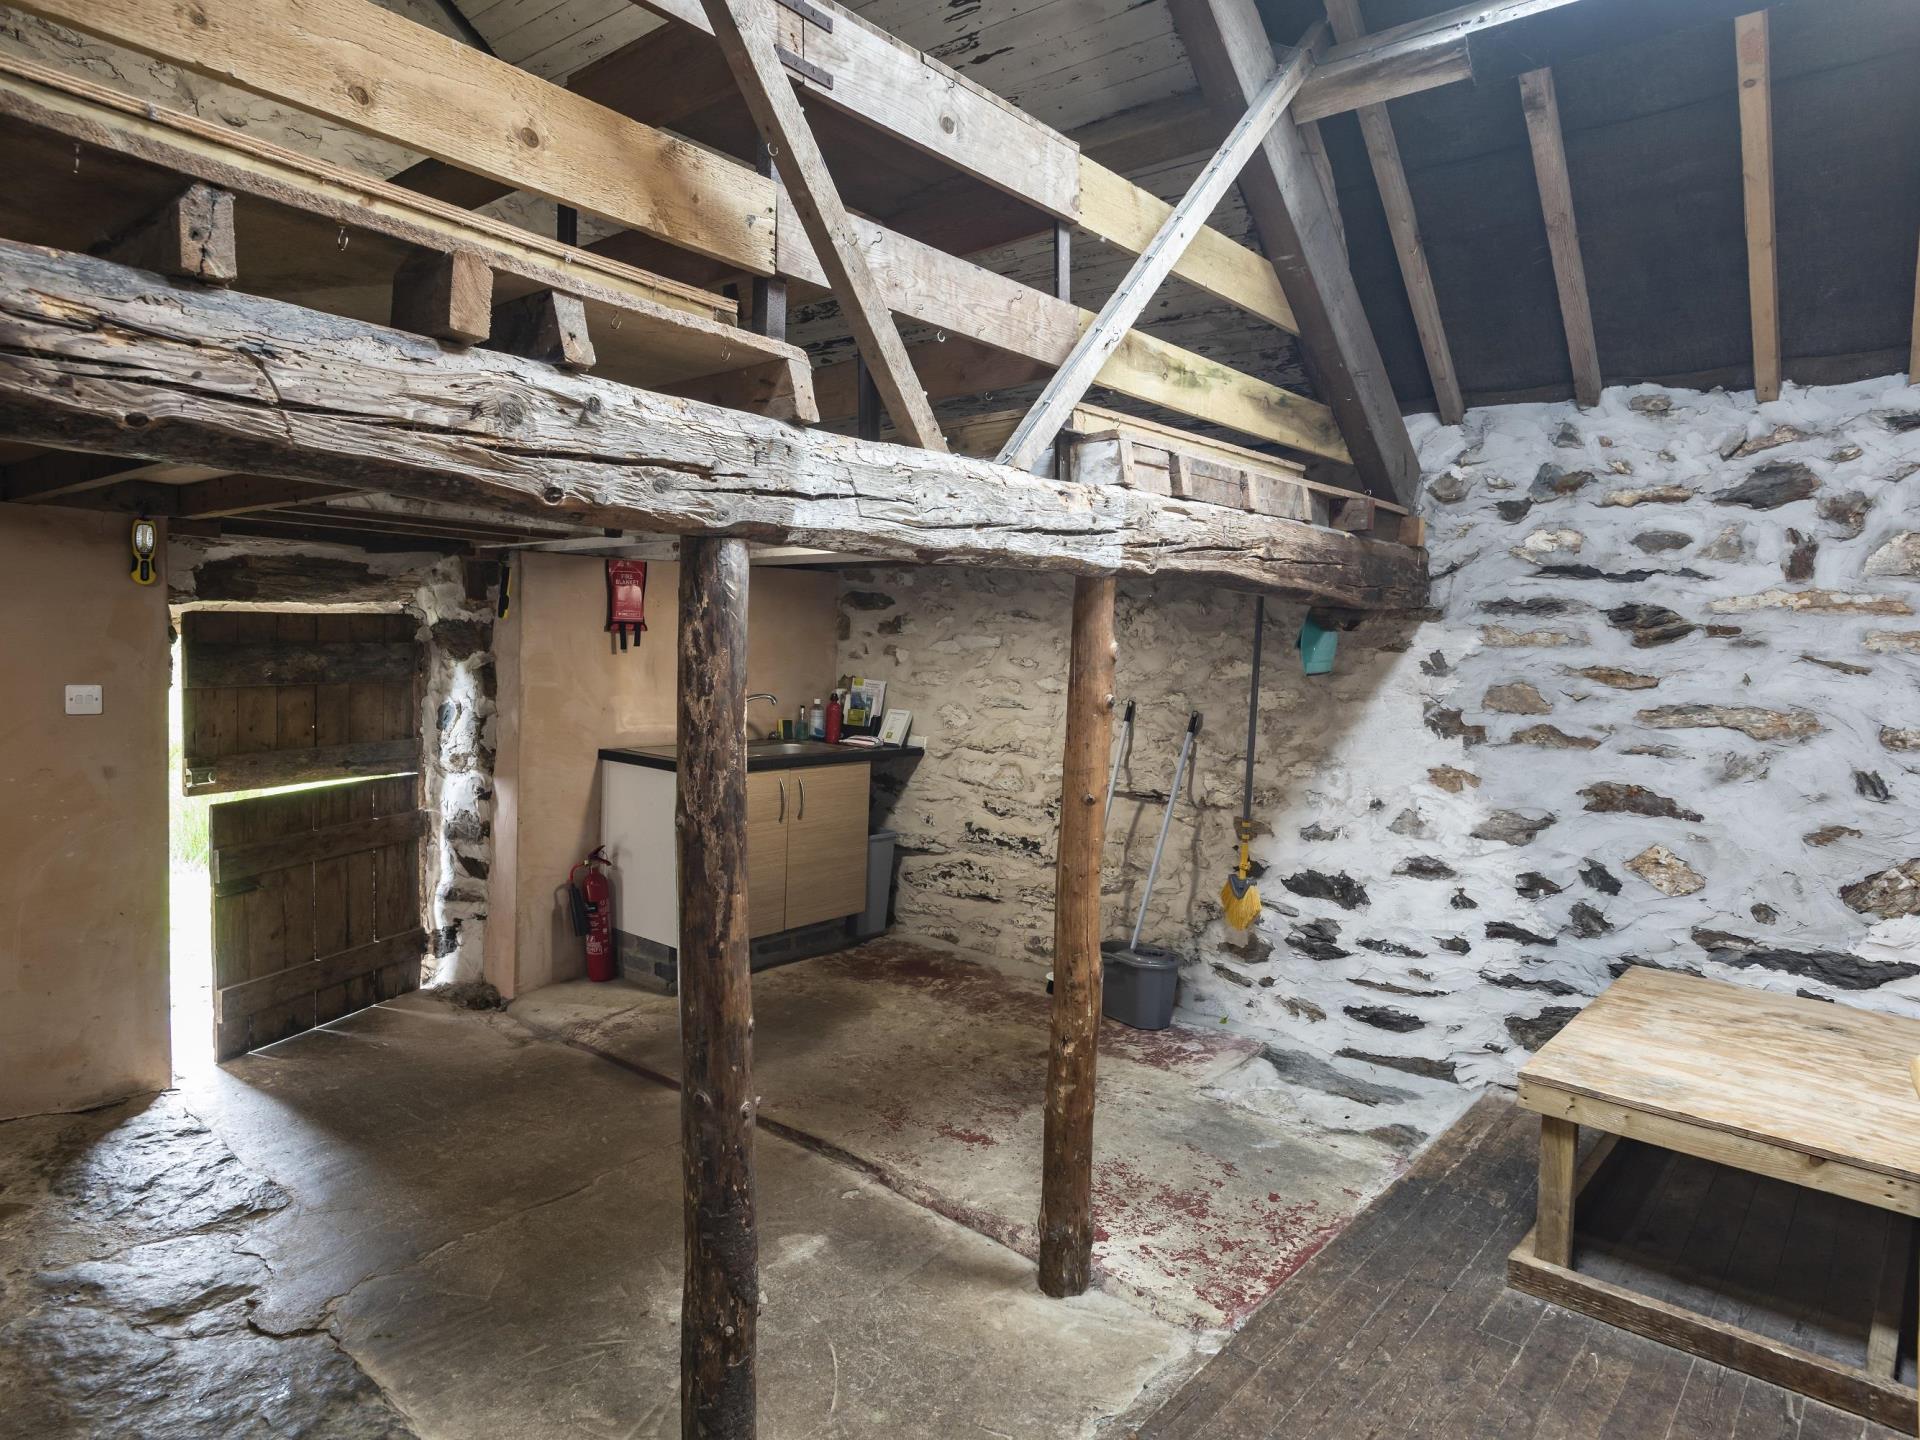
720,1294
1232,58
95,355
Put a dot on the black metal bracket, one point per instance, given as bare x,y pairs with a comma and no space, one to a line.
805,69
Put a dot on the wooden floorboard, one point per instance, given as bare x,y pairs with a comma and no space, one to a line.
1404,1326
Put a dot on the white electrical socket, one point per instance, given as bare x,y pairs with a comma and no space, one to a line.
83,699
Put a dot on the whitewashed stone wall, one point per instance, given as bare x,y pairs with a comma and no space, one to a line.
1664,710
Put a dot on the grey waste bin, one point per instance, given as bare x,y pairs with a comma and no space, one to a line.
873,920
1138,984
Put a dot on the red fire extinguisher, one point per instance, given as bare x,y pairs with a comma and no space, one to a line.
591,894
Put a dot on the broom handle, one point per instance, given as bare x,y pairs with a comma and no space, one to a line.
1253,698
1166,823
1119,750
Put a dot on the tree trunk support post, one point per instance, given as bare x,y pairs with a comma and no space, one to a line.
1066,1185
717,1104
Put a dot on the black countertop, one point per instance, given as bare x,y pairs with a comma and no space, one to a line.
770,755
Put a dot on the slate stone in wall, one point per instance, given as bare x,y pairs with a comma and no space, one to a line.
1385,1017
1650,495
1612,797
1650,625
1342,889
1425,867
1407,1064
1616,678
1506,930
1750,720
1768,487
1587,921
1832,967
1597,877
1530,1032
1889,894
1299,1068
1899,556
1666,871
1510,827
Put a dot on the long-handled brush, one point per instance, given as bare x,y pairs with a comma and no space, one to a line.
1240,897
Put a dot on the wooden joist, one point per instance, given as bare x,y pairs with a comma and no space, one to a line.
1232,57
870,75
744,31
650,330
1563,234
545,325
361,65
1130,298
191,236
62,475
1396,197
634,342
95,355
445,294
1753,56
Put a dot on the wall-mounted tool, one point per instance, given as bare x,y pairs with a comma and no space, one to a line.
1122,743
146,540
626,600
1240,897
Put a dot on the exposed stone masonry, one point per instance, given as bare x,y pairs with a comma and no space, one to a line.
1664,712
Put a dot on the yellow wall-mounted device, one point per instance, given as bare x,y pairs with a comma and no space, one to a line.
146,538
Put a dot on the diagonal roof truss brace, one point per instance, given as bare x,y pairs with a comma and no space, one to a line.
1077,374
744,31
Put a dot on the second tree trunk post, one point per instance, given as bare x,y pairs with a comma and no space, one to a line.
1066,1182
722,1290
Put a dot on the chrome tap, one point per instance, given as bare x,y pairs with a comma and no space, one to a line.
771,698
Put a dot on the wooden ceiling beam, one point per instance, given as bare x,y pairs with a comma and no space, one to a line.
1232,58
247,383
1542,109
1754,62
744,30
62,474
356,63
1396,197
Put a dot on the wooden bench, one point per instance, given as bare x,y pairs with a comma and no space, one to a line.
1803,1091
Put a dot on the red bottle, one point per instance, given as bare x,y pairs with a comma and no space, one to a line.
833,719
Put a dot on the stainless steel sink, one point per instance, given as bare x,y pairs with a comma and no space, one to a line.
786,747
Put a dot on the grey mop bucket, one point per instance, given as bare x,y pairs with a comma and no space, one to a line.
1138,984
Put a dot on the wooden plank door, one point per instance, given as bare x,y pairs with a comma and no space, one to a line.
826,842
316,907
277,698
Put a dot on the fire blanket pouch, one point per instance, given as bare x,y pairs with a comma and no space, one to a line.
627,600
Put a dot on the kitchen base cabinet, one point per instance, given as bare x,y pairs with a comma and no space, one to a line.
806,844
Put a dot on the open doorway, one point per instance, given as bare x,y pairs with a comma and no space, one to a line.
295,825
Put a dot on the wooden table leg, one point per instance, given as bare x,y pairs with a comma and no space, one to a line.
1553,1236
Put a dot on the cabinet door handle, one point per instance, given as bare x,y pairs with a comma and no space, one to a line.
781,819
802,813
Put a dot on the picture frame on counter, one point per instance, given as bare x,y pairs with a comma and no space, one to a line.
895,728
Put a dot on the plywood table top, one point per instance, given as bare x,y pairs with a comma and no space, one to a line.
1823,1079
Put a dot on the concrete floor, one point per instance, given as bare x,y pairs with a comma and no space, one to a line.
427,1221
928,1070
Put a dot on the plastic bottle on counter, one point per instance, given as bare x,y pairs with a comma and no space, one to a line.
817,720
832,732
